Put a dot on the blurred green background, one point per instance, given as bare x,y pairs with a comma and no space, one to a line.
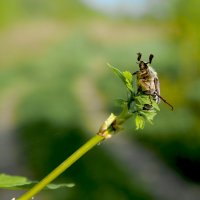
56,90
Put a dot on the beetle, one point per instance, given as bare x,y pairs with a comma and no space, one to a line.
148,82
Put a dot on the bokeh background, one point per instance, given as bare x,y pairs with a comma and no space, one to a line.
56,90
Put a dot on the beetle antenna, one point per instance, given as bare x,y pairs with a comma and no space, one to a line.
172,108
139,56
150,58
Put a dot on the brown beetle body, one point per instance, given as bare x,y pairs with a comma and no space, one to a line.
147,80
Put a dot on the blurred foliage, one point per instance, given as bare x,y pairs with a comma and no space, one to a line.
12,11
50,117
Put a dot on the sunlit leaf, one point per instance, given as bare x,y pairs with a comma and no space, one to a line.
118,73
143,99
155,105
148,115
139,122
143,102
19,182
129,80
126,77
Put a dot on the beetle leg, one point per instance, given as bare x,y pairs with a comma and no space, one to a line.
172,108
157,87
135,73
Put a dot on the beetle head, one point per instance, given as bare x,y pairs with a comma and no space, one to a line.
144,65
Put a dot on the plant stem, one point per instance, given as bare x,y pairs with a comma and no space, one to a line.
62,167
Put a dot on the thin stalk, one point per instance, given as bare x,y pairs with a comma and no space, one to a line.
62,167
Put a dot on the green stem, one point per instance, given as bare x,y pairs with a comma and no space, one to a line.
62,167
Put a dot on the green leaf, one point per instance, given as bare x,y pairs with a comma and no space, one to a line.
128,80
139,122
7,181
155,105
148,115
125,76
141,102
53,186
117,72
19,182
120,102
143,99
128,76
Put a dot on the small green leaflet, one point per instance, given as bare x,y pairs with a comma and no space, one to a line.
155,105
148,115
125,76
139,122
141,100
128,80
146,99
19,182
